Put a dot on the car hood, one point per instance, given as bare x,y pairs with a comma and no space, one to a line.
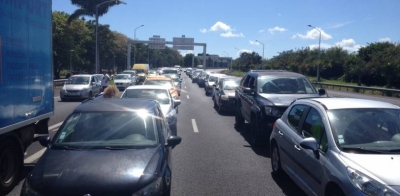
95,172
70,87
284,99
122,81
384,167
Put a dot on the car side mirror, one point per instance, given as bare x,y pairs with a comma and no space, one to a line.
311,144
177,102
321,91
44,140
172,141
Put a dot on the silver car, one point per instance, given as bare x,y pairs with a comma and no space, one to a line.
162,95
339,146
80,86
123,81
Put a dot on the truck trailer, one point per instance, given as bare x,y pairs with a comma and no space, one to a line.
26,82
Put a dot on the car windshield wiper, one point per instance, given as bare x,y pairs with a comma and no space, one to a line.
115,148
361,150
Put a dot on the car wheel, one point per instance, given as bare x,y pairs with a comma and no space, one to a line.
256,138
63,99
275,159
334,190
239,120
11,166
90,94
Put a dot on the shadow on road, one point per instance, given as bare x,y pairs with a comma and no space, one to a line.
287,185
262,150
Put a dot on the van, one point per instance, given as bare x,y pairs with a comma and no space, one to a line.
142,70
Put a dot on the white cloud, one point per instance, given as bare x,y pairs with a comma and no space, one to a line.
230,34
313,34
220,26
276,29
348,44
261,31
338,25
203,30
226,30
385,39
243,51
256,43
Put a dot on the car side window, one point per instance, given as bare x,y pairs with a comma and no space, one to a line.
252,83
162,125
294,116
314,127
246,80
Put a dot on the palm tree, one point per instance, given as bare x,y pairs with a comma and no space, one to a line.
88,8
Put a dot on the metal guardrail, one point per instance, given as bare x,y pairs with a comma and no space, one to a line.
360,89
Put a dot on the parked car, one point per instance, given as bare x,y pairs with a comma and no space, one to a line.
80,86
264,95
162,96
196,74
339,146
101,149
171,71
224,95
163,81
123,81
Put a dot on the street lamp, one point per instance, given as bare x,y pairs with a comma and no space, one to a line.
97,24
70,62
319,50
263,53
134,38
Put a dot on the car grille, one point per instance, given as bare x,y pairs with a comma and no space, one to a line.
73,91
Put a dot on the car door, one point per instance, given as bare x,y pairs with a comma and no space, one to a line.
249,99
218,90
287,133
308,165
95,85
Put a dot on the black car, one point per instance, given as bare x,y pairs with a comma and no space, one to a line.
263,96
224,94
107,147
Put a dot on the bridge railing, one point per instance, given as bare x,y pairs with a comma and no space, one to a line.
360,89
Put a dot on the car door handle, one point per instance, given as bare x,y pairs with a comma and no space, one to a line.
280,132
297,147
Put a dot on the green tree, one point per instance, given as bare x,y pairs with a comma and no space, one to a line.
88,8
187,60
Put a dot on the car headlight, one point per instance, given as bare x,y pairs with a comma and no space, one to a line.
224,97
151,189
369,185
64,88
272,111
27,190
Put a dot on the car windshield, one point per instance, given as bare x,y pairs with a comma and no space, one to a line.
212,79
139,71
78,80
160,95
170,71
120,129
231,84
122,77
164,83
374,129
275,85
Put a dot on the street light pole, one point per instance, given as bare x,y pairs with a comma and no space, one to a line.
319,50
134,45
262,65
97,25
70,62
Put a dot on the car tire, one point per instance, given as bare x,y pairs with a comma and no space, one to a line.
276,159
239,120
255,139
63,99
9,152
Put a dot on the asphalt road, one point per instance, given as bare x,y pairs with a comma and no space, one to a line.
214,158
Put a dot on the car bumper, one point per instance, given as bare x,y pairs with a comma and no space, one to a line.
122,86
228,104
78,94
172,123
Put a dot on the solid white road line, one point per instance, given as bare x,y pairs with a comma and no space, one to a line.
185,86
35,156
194,126
56,97
187,96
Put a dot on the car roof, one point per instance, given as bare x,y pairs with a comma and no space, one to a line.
147,87
80,75
279,73
158,78
116,105
346,103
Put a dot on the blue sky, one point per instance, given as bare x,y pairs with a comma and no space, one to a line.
279,24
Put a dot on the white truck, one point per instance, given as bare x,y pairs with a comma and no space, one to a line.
26,82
